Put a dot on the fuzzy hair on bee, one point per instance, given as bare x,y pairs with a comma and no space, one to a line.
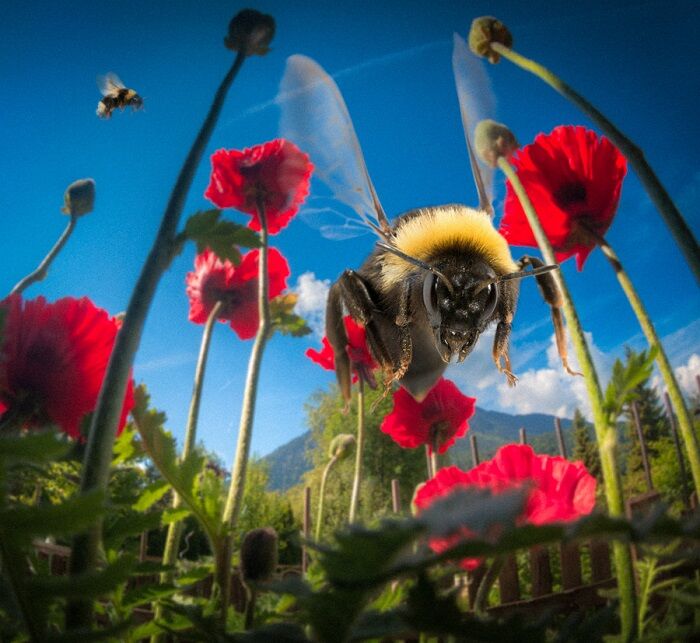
438,277
115,95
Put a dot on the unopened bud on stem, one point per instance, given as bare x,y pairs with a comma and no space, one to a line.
342,446
483,32
250,32
79,198
493,140
259,555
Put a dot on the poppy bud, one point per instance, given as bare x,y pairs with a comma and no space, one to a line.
483,32
250,32
79,198
341,446
493,140
259,555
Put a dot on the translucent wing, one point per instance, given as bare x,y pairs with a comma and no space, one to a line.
315,117
476,102
109,83
333,224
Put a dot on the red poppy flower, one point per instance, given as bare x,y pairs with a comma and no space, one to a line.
361,359
235,286
573,179
276,174
559,490
438,420
53,360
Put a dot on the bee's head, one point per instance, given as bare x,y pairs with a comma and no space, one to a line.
459,303
135,100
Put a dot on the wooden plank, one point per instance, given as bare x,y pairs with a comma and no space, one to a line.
306,529
508,585
600,560
540,568
570,555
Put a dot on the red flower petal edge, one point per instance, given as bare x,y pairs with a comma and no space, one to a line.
559,490
276,175
437,421
53,361
236,286
574,179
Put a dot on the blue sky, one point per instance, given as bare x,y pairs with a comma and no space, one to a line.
635,60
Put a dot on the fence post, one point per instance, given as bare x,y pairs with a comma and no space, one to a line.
560,438
307,530
395,496
677,444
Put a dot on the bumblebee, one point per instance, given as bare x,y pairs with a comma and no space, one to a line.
437,277
115,95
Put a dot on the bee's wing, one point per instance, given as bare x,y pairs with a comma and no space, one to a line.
315,117
109,83
476,102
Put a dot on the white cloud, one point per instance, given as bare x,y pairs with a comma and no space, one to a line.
311,304
688,373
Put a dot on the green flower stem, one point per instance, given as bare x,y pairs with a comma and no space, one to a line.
482,594
357,479
43,268
668,210
605,432
245,429
684,420
98,454
172,541
322,495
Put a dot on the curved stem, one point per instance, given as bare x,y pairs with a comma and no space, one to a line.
357,479
43,268
245,429
98,453
605,432
322,495
656,191
482,594
250,608
674,392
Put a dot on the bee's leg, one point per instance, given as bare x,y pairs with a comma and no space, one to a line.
552,296
403,320
500,349
364,310
337,337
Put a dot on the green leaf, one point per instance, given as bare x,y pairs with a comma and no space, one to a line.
151,494
283,317
131,524
146,594
172,515
89,584
208,230
126,447
35,448
194,575
70,517
625,379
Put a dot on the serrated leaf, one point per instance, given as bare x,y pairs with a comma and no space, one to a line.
70,517
128,525
151,494
194,575
146,594
126,447
36,447
222,237
172,515
90,584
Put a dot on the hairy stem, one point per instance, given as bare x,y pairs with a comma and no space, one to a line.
605,432
674,392
245,429
172,541
357,478
43,268
656,191
322,495
98,453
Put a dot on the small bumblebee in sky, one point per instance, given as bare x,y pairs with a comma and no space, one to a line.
438,276
115,95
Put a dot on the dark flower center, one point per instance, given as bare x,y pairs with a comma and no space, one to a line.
439,433
570,193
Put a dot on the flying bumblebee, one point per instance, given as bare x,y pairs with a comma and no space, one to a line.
438,276
115,95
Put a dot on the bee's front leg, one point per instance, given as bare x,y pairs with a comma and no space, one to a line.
550,293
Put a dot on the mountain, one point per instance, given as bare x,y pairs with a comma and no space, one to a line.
288,463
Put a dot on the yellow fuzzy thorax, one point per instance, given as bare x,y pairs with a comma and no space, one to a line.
434,231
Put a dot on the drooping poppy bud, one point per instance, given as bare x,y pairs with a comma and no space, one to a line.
259,555
342,446
483,32
493,140
251,32
79,198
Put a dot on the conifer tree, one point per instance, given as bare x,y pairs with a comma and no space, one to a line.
584,447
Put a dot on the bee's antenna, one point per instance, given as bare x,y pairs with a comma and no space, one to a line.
516,275
418,262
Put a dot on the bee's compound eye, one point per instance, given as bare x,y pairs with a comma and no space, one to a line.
430,299
491,301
